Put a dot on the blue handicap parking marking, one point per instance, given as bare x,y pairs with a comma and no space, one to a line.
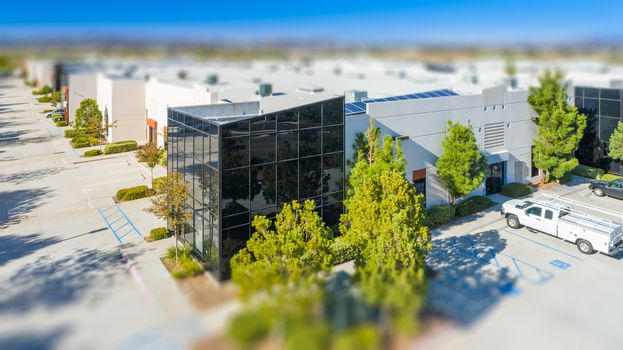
560,264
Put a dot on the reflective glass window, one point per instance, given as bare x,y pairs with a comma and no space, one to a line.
236,129
235,191
610,108
591,106
287,181
287,145
606,127
591,92
309,142
235,152
333,112
333,172
263,186
331,215
310,116
309,177
287,120
235,220
262,149
333,137
612,94
265,124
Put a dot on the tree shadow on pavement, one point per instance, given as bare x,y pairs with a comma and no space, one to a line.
14,205
33,339
54,282
30,175
465,284
16,246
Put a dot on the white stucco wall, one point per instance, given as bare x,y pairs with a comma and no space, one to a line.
124,102
424,122
81,87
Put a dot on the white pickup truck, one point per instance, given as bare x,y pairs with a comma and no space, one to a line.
588,232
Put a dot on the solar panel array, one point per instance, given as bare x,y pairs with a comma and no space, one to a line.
360,107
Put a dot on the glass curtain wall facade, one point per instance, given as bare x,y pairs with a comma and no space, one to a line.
602,108
253,166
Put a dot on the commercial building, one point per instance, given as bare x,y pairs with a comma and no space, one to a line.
246,159
122,103
82,86
602,107
502,121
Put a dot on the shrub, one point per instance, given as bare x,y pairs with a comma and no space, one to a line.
163,159
57,117
94,141
363,337
439,215
44,99
610,177
93,152
80,142
158,180
515,190
184,251
61,123
72,133
188,267
588,171
473,205
46,89
564,179
47,110
342,251
132,193
118,147
159,233
248,327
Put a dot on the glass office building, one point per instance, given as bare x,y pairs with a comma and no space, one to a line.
602,108
239,163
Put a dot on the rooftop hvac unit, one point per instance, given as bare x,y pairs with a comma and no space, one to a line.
355,96
182,75
212,79
265,89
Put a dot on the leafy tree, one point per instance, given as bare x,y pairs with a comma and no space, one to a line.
88,115
168,204
615,145
150,154
461,166
360,146
100,129
55,98
384,224
288,257
560,127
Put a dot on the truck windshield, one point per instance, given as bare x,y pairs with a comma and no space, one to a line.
524,205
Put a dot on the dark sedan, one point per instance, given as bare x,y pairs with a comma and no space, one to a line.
607,188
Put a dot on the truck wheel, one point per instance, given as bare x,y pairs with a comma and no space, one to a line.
584,246
598,192
513,222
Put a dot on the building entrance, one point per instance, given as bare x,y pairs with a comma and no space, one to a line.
494,178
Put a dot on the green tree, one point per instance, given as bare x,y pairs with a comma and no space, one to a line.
291,256
384,224
560,127
150,154
360,147
461,166
88,115
99,129
168,204
615,145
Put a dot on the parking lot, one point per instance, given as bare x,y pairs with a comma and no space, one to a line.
521,289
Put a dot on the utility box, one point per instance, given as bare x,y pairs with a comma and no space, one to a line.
265,89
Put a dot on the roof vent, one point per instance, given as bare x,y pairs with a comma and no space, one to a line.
265,89
212,79
311,89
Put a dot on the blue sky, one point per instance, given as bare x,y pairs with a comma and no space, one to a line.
415,21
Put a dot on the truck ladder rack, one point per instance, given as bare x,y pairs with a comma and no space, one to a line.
573,204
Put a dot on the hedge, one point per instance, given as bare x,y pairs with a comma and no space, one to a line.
473,205
71,133
515,190
159,233
93,152
610,177
163,159
187,265
44,99
157,180
342,251
588,171
118,147
47,110
80,142
57,117
439,215
132,193
61,123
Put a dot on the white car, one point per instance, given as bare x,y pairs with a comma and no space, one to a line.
589,233
56,111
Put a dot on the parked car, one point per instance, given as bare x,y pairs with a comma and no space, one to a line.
589,233
612,189
56,111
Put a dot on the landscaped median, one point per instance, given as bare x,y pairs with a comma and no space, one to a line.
132,193
594,173
185,265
